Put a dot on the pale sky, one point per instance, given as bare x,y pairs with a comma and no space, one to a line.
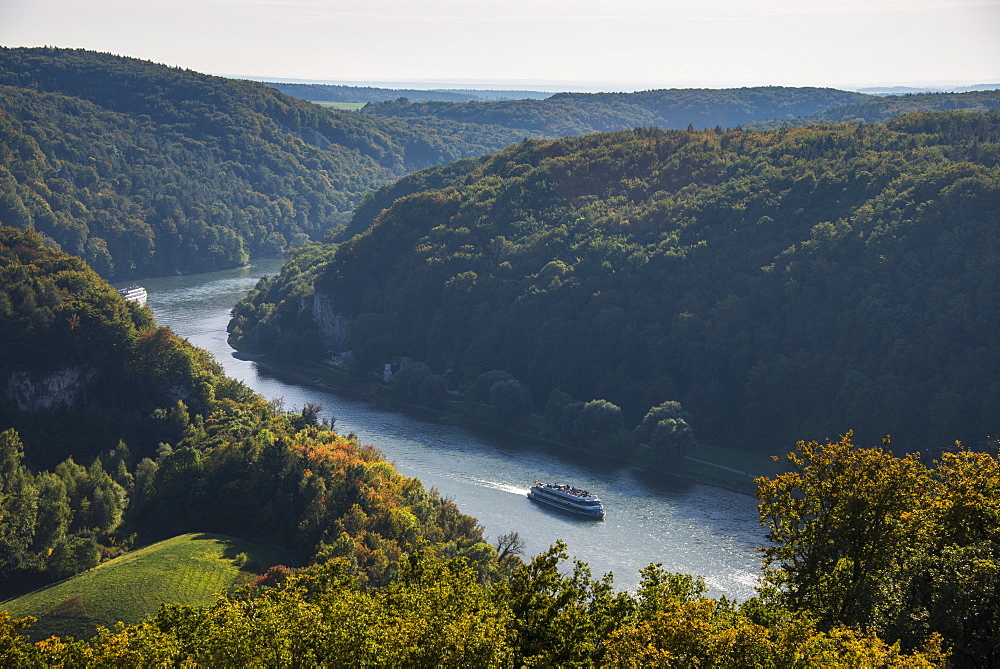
581,44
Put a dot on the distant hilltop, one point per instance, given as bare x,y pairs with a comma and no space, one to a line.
415,91
316,92
907,90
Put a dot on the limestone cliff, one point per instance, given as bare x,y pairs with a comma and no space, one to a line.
332,325
63,388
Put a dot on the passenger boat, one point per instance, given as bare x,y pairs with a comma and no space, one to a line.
567,498
134,294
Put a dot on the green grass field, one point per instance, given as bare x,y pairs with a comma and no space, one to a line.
187,569
351,106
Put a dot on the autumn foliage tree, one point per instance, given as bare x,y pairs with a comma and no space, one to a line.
862,537
439,613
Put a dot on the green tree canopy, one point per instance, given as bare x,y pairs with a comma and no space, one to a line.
862,537
780,284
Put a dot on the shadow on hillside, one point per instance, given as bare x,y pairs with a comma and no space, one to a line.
260,555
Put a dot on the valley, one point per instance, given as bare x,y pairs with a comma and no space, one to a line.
616,291
688,527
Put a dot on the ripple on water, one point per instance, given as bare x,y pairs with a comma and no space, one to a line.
689,528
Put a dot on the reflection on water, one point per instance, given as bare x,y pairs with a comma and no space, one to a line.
687,527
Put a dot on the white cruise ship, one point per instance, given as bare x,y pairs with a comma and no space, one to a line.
567,498
134,293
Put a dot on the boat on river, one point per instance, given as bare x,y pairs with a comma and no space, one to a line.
134,293
567,498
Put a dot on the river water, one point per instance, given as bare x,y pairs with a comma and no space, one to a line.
688,527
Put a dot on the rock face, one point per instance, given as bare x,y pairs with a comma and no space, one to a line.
63,388
331,324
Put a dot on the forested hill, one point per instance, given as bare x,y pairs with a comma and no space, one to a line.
388,573
580,113
144,169
566,114
343,93
781,285
881,109
113,431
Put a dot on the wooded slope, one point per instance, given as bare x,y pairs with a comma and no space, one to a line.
565,114
115,431
144,169
881,109
780,285
579,113
342,93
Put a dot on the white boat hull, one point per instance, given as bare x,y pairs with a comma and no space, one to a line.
585,506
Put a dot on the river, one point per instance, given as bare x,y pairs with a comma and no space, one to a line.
688,527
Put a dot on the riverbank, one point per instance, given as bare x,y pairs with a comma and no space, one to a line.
708,464
689,528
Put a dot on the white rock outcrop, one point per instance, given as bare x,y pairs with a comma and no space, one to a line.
331,324
63,388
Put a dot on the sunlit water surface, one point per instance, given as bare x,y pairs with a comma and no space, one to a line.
689,528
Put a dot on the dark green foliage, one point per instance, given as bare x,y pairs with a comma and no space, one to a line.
566,114
863,538
597,420
433,390
666,429
510,399
144,169
18,505
341,93
291,330
481,386
73,554
76,358
561,619
882,108
127,458
49,522
409,379
554,406
777,284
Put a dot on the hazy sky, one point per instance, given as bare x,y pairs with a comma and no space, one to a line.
619,45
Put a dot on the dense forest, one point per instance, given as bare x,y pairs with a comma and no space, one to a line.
118,432
907,583
343,93
395,575
881,109
779,285
144,169
566,114
759,286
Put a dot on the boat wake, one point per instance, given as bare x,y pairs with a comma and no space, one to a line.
497,485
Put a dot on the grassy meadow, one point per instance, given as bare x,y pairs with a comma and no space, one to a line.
349,106
187,569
